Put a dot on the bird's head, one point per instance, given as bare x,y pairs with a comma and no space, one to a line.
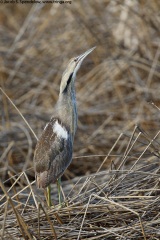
69,74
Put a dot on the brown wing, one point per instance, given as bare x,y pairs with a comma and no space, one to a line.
52,156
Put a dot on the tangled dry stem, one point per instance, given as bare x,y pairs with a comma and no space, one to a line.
111,190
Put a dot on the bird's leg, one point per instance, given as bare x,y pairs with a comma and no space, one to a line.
49,196
59,191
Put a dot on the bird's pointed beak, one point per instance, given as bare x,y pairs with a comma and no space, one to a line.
80,59
83,55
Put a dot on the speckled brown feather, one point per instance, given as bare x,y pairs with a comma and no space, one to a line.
52,155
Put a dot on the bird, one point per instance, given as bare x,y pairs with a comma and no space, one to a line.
54,148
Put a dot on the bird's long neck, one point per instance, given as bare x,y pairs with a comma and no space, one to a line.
67,110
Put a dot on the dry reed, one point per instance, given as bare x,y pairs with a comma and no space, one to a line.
111,189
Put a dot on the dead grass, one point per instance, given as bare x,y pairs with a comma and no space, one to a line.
111,189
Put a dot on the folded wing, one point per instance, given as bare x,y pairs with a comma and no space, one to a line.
53,153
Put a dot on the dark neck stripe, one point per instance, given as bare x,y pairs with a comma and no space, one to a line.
68,82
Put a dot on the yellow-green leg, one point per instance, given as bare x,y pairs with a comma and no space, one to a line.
59,191
49,202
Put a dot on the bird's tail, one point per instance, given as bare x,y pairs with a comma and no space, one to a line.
41,179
